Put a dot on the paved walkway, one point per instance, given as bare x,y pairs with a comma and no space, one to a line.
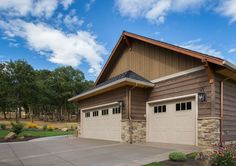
83,152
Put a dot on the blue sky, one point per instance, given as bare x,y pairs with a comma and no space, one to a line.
82,33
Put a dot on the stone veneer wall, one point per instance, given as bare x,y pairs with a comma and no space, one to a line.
78,130
138,131
208,131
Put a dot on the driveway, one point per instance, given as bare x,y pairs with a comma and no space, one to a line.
83,152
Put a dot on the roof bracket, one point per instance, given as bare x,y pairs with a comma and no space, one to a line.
209,70
127,41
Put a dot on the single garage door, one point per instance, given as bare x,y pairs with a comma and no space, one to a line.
102,124
173,122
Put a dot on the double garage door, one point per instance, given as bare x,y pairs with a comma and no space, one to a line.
172,122
102,123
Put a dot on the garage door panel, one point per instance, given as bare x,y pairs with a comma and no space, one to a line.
106,127
171,125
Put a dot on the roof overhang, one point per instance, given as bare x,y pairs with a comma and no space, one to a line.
114,85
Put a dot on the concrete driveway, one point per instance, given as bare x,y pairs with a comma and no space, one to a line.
83,152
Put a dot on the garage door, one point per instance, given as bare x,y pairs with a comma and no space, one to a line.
102,124
173,122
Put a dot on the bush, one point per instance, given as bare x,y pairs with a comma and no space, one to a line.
32,126
3,126
225,155
45,127
50,128
192,155
177,156
17,127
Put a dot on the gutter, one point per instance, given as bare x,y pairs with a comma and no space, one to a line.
229,65
130,112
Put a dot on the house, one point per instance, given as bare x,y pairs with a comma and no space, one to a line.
151,91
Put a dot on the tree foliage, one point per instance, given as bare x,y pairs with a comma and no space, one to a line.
41,93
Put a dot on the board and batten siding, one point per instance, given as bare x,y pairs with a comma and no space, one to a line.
105,98
229,114
185,85
151,61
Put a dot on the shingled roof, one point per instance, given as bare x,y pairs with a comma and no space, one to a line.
128,76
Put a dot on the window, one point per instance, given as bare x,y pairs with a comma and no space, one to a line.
105,112
87,114
178,107
116,110
95,113
159,109
183,106
189,105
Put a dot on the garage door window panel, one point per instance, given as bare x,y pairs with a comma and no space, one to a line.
87,114
105,112
95,113
116,110
159,109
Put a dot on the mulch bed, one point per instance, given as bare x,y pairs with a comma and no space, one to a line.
27,138
189,162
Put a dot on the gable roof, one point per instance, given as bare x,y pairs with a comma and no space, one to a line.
127,35
126,78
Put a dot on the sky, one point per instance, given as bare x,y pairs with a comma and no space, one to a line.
82,33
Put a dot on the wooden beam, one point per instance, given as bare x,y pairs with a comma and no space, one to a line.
209,70
127,41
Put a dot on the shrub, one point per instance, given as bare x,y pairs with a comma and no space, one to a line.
32,126
224,155
45,127
50,128
192,155
177,156
17,127
3,126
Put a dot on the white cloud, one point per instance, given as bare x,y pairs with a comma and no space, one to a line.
37,8
228,8
196,45
71,21
232,50
155,10
67,3
61,48
89,4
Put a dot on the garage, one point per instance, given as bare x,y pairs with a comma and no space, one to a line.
172,121
102,123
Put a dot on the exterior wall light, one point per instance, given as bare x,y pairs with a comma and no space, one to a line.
121,103
202,97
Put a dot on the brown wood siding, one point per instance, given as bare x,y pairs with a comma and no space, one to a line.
185,85
229,116
105,98
151,61
138,103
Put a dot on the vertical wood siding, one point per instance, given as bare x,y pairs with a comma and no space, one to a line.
185,85
229,119
151,62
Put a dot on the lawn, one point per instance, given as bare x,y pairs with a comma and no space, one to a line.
39,133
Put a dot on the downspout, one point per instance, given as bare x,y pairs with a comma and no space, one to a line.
130,112
222,108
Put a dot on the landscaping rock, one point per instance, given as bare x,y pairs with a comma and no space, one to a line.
64,129
10,135
21,137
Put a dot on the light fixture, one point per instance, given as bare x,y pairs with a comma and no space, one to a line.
121,103
202,97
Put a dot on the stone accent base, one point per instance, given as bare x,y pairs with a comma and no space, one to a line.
133,131
208,131
78,130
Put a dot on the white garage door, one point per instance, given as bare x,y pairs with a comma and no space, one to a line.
173,122
102,124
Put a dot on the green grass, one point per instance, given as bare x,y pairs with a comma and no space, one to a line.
155,164
3,133
39,133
